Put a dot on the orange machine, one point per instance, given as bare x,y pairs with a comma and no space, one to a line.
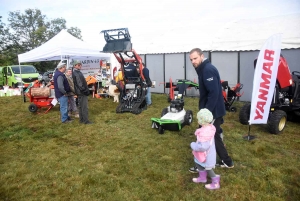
40,97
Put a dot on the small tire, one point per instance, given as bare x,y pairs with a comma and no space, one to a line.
244,114
277,121
33,108
232,109
188,117
164,112
161,130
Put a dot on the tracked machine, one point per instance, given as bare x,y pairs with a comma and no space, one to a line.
133,87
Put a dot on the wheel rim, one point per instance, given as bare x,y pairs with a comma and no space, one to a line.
282,123
190,119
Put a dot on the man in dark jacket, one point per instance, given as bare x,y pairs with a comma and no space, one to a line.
149,84
211,98
82,91
61,89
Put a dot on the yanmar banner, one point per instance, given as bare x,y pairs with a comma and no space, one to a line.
264,80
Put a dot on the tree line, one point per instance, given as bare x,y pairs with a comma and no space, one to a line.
26,31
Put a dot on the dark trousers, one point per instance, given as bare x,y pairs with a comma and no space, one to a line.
220,148
83,109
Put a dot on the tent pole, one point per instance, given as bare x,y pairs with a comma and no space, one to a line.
22,87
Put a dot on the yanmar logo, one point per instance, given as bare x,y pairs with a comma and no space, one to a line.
210,79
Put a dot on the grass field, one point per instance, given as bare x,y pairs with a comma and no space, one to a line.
120,157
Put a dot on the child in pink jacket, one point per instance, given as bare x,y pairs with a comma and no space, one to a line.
204,150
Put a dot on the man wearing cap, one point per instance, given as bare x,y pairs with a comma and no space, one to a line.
62,88
82,91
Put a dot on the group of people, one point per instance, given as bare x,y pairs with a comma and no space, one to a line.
66,85
211,106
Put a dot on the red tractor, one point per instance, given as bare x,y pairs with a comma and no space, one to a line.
286,99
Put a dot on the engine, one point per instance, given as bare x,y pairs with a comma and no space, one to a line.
283,98
176,105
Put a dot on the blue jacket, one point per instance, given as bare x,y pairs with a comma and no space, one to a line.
58,93
210,89
147,76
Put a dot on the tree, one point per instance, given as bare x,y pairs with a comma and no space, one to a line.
74,31
3,42
30,30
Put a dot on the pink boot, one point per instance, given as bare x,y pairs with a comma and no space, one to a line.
201,178
215,184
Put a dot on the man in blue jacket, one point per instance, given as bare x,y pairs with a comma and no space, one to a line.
149,84
62,89
212,99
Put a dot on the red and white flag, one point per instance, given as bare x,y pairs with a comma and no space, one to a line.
264,80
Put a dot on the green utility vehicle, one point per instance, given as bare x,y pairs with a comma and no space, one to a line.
15,75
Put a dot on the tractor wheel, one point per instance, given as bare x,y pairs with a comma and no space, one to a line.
244,115
32,108
188,117
233,109
164,112
277,121
161,130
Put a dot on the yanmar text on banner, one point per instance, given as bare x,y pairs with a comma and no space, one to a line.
264,80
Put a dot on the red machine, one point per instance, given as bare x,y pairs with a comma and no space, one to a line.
133,88
40,97
231,95
172,86
286,99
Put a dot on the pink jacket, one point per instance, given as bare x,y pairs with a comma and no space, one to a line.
204,134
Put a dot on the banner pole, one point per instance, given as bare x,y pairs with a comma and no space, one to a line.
249,137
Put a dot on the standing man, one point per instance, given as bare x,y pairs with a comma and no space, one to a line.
72,109
82,91
62,88
149,84
211,98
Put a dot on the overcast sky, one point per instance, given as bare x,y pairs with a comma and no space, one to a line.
152,22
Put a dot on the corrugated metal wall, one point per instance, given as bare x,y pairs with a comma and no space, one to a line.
233,67
227,65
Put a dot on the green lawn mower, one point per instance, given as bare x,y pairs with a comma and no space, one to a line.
174,117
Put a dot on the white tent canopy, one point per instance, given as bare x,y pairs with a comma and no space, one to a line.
61,46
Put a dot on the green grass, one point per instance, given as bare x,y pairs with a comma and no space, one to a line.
121,157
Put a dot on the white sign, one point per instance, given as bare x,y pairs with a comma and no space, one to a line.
264,80
54,101
91,66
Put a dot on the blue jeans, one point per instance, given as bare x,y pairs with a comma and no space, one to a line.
148,96
63,101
